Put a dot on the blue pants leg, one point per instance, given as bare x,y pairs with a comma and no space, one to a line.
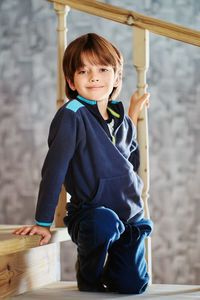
126,268
97,229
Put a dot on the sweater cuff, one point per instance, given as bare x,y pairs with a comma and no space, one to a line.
43,224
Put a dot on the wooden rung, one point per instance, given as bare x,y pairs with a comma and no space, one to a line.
10,243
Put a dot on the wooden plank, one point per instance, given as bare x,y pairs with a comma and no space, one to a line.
68,291
10,243
25,270
132,18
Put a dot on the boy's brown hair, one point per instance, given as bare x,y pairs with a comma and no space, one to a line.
100,51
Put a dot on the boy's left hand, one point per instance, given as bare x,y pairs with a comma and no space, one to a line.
136,105
44,231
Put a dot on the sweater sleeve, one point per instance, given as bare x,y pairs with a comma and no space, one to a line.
62,143
134,157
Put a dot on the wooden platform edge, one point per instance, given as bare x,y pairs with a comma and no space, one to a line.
28,270
10,243
62,290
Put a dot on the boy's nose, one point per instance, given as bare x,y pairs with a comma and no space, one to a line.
94,79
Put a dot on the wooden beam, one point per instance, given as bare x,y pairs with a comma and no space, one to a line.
132,18
10,243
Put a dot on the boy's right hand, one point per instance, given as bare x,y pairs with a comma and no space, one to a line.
44,231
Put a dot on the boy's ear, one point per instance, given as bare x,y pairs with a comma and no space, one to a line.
116,82
71,85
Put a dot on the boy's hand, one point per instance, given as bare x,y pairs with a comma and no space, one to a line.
44,231
136,105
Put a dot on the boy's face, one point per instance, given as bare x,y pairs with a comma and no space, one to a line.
94,81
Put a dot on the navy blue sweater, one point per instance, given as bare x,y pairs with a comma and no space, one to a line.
96,168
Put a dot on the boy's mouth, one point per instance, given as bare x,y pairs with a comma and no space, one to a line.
94,87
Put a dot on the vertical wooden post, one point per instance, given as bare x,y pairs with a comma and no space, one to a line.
61,11
141,63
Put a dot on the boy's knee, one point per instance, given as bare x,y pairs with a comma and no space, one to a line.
107,224
103,224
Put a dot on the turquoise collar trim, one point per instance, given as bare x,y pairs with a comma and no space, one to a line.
87,101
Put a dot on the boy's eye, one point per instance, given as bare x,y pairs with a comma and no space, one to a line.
104,69
81,72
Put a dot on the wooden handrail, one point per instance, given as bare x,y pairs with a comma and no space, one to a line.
131,18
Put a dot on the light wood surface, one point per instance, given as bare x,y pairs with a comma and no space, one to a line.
25,270
68,291
10,243
131,18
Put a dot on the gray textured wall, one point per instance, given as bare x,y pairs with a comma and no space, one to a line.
27,97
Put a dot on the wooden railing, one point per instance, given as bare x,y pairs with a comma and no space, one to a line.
141,26
131,18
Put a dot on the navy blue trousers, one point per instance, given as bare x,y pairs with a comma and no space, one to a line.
98,232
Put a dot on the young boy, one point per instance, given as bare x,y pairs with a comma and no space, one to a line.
93,151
